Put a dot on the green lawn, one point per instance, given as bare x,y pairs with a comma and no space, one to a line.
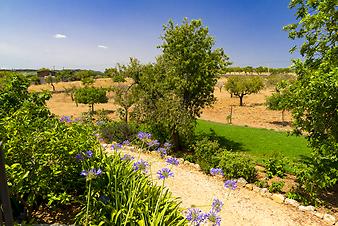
259,143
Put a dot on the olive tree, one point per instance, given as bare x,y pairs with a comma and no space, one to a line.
315,92
90,96
241,86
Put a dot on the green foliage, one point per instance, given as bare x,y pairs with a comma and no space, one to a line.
117,74
262,183
206,154
275,166
125,99
276,187
123,196
173,92
275,79
244,85
90,96
117,131
235,165
87,77
315,93
65,75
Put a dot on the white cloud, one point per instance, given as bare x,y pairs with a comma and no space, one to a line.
59,36
102,47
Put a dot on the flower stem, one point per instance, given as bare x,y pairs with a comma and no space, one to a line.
88,199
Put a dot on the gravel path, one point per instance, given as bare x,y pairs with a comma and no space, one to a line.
241,206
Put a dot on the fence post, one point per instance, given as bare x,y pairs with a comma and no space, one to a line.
4,195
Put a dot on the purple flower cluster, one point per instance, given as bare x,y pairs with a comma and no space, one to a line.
167,145
162,151
126,143
153,143
127,157
82,156
66,119
230,184
216,171
164,173
197,217
172,161
91,174
143,135
116,147
141,165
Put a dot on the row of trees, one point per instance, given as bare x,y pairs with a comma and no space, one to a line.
259,70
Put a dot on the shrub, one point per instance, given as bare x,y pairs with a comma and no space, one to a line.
275,166
235,165
117,131
206,153
90,96
276,187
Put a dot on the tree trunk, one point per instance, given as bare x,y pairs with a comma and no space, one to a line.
92,107
52,84
126,115
283,116
241,100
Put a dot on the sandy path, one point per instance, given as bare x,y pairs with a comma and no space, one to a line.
241,207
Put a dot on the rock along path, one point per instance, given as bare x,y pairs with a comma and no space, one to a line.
241,206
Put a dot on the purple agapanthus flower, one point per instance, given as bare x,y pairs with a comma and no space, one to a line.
127,157
89,154
79,157
213,218
172,161
167,145
126,143
91,174
217,205
216,171
141,165
65,119
143,135
164,173
231,184
162,151
116,146
195,216
153,143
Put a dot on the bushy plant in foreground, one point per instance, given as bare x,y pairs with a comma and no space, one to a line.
275,166
235,165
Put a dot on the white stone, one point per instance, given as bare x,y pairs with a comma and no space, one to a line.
279,198
292,202
329,219
306,208
241,182
256,189
318,214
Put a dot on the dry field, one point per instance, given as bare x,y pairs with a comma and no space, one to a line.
253,113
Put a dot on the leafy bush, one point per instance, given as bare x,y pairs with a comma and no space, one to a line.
276,187
123,196
206,153
90,96
262,183
235,165
275,166
117,130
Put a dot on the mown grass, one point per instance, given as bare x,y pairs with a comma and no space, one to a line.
261,144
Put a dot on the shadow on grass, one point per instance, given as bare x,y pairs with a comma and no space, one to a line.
229,145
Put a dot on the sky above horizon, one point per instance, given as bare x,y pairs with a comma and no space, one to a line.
98,34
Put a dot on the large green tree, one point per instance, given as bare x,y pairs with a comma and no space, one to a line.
173,92
314,99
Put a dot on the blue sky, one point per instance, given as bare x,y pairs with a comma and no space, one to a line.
97,34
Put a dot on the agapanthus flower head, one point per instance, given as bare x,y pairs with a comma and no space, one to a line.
141,165
153,143
79,157
127,157
172,161
97,135
230,184
89,153
162,151
216,171
65,119
143,135
164,173
195,216
91,174
213,218
217,205
126,143
167,145
77,120
116,147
